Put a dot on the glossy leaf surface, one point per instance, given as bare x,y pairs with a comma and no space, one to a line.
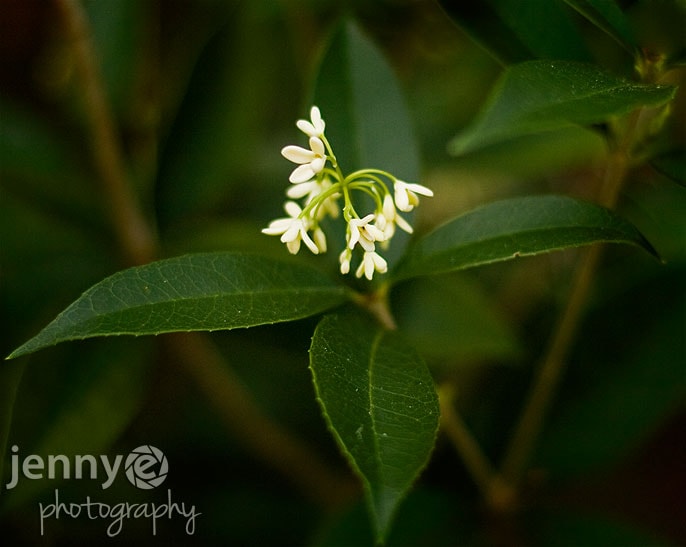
538,96
379,402
507,229
211,291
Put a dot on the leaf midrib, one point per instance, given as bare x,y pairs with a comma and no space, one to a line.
299,291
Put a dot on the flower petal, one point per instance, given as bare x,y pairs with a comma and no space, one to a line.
293,246
320,240
317,164
368,262
303,173
307,128
375,233
317,146
299,190
379,263
316,117
292,233
297,154
292,208
419,189
403,224
277,227
311,245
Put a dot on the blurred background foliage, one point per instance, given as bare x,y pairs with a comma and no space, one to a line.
205,93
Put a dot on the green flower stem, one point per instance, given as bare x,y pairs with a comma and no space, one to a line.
319,200
544,387
332,158
262,437
369,190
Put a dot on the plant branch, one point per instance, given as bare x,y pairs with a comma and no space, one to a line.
268,441
545,384
136,240
466,445
264,439
377,304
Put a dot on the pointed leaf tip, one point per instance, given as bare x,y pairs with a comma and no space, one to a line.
379,401
210,291
516,227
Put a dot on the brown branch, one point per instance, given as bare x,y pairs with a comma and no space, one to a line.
264,438
136,240
256,431
549,374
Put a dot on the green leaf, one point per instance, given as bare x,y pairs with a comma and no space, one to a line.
538,96
211,291
379,402
507,229
514,31
607,16
367,120
215,146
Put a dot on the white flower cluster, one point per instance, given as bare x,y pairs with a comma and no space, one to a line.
319,182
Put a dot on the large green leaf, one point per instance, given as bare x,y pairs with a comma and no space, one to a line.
216,144
379,401
507,229
607,16
210,291
367,120
538,96
514,31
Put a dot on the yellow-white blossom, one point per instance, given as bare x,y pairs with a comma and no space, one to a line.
313,127
406,194
310,161
371,262
319,184
292,229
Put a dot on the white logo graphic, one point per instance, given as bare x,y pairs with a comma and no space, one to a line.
146,467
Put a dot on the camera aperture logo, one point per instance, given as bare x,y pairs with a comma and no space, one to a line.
145,467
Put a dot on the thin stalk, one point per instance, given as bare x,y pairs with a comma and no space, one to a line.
377,304
546,382
476,462
257,432
261,436
136,240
